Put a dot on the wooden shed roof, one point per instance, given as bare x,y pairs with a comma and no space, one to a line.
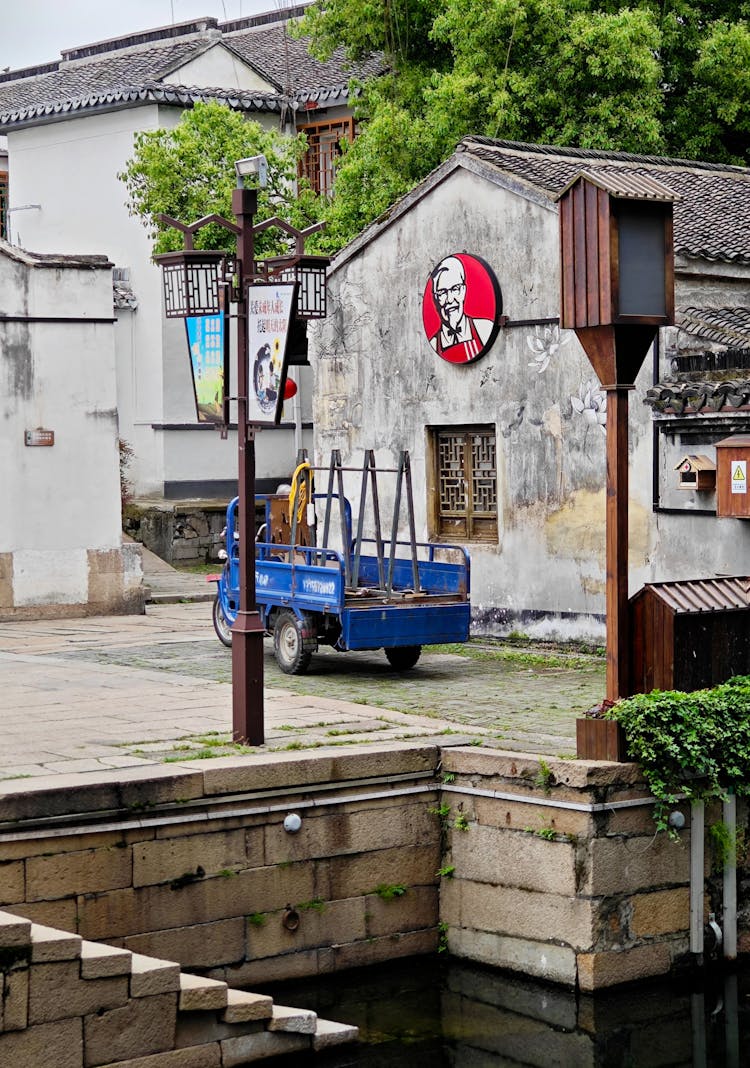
692,597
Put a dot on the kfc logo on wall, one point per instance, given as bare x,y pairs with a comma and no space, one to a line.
461,308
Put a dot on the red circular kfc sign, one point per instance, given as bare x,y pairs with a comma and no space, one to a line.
461,308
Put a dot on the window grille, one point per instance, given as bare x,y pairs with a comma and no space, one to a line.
324,139
465,482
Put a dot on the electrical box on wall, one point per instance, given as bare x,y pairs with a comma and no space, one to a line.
732,462
696,472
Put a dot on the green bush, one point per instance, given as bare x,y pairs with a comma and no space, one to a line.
692,744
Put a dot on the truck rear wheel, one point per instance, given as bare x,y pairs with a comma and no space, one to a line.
288,645
403,657
222,626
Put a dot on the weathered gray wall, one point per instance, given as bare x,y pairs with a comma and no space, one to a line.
379,385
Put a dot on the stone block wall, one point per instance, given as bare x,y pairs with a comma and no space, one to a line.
193,864
180,533
549,868
71,1003
559,872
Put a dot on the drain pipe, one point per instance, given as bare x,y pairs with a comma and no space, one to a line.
730,880
697,830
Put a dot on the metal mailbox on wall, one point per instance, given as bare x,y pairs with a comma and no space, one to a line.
732,462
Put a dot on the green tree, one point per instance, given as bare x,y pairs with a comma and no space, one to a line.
651,76
188,172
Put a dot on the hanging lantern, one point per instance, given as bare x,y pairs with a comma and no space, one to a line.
191,282
310,274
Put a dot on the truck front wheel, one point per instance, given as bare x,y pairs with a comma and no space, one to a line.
403,657
222,626
288,645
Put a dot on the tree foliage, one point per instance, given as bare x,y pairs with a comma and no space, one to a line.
188,172
646,76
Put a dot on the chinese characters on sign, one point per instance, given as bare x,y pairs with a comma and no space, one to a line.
206,345
269,311
461,308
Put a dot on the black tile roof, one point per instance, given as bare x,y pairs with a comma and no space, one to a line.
727,326
711,216
111,73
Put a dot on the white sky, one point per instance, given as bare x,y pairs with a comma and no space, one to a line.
35,31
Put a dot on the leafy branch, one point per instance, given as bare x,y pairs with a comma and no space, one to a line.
696,745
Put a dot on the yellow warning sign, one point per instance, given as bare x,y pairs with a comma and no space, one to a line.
739,476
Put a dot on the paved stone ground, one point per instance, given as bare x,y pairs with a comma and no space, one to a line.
86,695
92,695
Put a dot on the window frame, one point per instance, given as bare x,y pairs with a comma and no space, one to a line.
310,164
480,528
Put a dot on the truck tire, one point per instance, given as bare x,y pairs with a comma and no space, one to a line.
222,626
288,645
403,657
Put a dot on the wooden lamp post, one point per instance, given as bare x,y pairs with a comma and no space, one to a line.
617,277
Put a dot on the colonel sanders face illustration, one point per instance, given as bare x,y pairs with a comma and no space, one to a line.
449,291
465,299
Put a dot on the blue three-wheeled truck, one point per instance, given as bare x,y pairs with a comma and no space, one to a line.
364,593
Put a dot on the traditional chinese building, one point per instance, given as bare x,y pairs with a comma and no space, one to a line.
505,423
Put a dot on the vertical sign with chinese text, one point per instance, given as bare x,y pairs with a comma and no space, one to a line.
269,312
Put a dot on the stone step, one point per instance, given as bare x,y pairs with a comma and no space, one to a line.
100,961
242,1006
201,995
48,945
328,1033
293,1021
149,975
15,932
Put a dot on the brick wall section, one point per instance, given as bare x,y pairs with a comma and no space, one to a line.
402,848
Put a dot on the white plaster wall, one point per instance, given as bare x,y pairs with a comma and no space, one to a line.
70,169
378,385
218,67
64,500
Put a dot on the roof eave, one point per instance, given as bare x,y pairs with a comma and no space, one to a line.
458,161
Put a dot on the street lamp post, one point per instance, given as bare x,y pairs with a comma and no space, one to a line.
193,285
247,631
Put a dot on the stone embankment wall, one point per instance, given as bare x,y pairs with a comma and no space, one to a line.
551,869
71,1003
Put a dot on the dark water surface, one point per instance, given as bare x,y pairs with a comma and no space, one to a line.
431,1013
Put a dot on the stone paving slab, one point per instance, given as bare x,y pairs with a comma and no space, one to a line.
125,692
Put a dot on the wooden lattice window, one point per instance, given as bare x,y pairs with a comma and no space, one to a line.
3,204
464,486
324,139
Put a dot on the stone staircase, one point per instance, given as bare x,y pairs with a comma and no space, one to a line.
69,1003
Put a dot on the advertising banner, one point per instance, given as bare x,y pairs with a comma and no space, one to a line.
205,334
269,312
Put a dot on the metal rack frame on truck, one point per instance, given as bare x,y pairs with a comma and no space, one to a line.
358,594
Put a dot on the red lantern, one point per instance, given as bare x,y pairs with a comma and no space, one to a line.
290,388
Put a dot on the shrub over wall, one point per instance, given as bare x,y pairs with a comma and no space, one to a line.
696,744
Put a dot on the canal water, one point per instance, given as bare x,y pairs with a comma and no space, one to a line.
434,1013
